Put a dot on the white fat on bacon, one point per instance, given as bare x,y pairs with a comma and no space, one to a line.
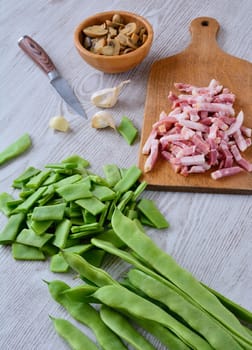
201,132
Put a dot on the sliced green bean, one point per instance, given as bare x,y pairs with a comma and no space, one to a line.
24,252
76,339
11,229
124,200
61,233
127,129
94,256
75,158
93,205
30,201
40,227
74,191
68,180
16,148
110,236
138,191
38,179
138,241
128,180
86,227
87,315
78,248
4,199
150,210
112,174
52,178
122,327
128,302
23,178
197,319
29,237
49,212
58,263
103,193
94,274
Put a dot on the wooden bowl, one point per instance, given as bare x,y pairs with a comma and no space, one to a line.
117,63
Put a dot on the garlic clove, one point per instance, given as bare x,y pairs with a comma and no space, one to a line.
59,123
107,98
103,119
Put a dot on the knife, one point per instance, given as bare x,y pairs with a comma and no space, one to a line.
41,58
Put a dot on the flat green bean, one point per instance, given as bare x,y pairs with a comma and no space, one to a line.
112,174
23,178
87,315
30,201
61,233
58,263
40,227
150,210
127,129
24,252
128,302
74,191
49,212
164,264
130,177
36,180
93,205
122,327
4,199
76,339
197,319
29,237
16,148
11,229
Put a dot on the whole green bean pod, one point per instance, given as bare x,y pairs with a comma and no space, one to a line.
130,303
122,327
164,264
85,314
16,148
198,320
76,339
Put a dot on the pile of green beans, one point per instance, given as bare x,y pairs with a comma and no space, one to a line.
65,205
157,296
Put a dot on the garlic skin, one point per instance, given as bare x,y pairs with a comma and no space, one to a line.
107,98
59,123
103,119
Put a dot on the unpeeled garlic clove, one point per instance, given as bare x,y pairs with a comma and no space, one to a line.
103,119
107,98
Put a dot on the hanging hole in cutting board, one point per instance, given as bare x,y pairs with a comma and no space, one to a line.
205,23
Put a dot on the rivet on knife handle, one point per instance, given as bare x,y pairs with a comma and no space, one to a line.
36,53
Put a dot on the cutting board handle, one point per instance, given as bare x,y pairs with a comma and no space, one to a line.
204,32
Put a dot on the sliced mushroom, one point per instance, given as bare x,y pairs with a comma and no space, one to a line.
87,42
122,39
95,31
107,50
131,44
129,29
112,32
117,19
100,43
134,37
115,43
129,49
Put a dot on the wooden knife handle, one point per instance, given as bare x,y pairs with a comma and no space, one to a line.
36,53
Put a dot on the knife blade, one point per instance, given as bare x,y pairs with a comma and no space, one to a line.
41,58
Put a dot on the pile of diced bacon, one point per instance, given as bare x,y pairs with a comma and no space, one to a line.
201,132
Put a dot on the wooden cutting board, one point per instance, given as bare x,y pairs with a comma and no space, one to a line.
200,62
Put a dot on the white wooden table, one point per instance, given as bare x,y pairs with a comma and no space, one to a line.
209,234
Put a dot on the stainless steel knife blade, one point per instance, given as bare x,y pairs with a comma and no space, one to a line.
41,58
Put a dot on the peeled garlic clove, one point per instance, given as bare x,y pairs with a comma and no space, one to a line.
103,119
107,98
59,123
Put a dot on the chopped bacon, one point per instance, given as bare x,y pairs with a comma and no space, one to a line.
200,132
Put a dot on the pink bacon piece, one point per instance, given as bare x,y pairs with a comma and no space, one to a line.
152,158
215,107
218,174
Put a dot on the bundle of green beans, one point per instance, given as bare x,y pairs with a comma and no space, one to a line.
157,296
64,205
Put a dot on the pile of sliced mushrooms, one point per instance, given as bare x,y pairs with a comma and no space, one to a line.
114,37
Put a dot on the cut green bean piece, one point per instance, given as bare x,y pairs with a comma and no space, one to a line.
140,188
128,180
75,191
29,237
94,274
128,302
112,174
127,129
197,319
121,326
24,252
78,248
167,338
124,200
111,237
86,227
38,179
87,315
58,263
73,335
4,199
93,205
152,213
30,201
61,165
52,178
94,256
11,229
75,158
103,193
14,204
164,264
25,176
40,227
26,193
49,250
61,233
49,212
16,148
68,180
